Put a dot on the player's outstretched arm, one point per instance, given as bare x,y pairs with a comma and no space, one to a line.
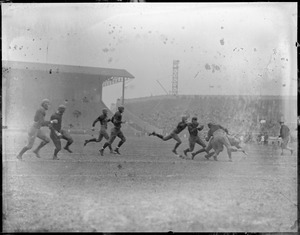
97,120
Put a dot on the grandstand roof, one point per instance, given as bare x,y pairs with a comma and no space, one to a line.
103,72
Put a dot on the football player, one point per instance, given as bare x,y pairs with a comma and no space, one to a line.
174,134
115,131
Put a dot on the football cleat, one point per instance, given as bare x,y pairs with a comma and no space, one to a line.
153,133
19,157
37,154
101,152
85,142
185,152
67,148
117,151
174,151
193,156
55,158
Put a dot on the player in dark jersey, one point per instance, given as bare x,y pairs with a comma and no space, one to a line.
103,119
285,135
194,138
115,131
35,130
57,133
174,134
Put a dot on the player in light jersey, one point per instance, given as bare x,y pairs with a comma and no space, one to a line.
235,144
35,130
217,138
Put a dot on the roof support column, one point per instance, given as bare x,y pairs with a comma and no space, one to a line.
123,90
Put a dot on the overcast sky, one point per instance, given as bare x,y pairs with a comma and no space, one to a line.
223,48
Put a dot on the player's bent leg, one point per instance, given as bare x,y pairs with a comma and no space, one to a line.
157,135
109,142
23,150
90,140
57,144
104,147
122,141
206,149
45,140
100,138
176,137
216,154
168,137
41,145
201,143
209,155
68,145
176,146
105,135
66,136
229,150
32,134
191,147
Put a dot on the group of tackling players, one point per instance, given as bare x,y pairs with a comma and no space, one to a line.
217,136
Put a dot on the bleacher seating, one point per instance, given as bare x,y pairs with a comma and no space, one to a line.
240,114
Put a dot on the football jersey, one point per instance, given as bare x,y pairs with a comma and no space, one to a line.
180,127
117,120
39,118
103,119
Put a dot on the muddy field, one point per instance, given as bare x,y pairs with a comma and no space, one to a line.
147,188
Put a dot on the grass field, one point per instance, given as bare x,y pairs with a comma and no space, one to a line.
147,189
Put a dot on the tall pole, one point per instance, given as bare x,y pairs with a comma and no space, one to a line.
123,90
175,77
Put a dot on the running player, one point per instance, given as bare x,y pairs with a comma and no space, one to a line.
194,138
35,130
285,135
103,119
57,133
174,134
115,131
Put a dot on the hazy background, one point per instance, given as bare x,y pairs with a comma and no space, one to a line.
223,48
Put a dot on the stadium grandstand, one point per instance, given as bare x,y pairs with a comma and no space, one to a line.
79,88
247,116
26,84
